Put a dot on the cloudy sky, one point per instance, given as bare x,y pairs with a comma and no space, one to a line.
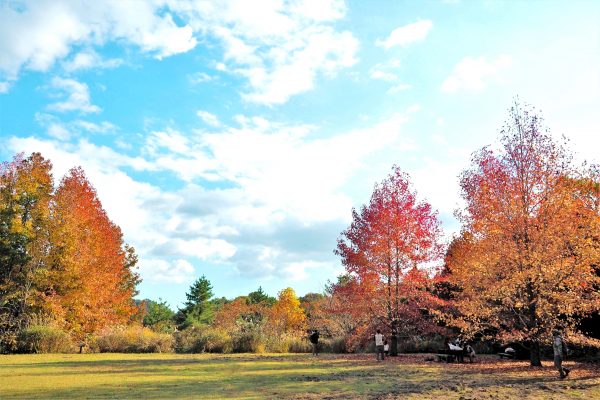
232,138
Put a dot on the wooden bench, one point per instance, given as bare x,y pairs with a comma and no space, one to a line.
451,355
510,356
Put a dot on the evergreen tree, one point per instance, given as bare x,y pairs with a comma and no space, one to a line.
259,296
197,309
159,316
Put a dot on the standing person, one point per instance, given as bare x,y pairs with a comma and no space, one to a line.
470,352
314,339
379,338
386,347
560,349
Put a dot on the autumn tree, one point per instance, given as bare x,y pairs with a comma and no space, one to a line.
390,236
311,305
286,315
524,261
92,278
590,190
26,188
349,310
235,311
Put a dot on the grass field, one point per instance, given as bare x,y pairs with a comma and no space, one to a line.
245,376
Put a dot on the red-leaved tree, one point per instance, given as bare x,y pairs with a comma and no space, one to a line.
388,242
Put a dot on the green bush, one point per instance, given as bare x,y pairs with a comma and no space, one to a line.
134,339
44,339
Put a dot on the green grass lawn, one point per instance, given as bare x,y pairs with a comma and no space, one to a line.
294,376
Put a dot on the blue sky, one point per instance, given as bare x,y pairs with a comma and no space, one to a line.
232,138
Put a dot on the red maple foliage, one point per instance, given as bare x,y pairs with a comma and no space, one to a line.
387,247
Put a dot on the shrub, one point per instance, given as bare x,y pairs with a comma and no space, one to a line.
333,345
44,339
196,339
300,345
187,340
419,345
249,342
276,344
134,339
217,341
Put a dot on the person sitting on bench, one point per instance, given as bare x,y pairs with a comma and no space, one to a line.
509,352
456,351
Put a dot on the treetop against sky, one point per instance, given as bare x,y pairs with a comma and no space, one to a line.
231,139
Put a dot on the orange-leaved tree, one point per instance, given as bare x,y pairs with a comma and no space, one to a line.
92,278
524,261
286,315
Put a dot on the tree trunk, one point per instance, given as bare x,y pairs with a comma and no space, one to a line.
394,344
534,348
536,354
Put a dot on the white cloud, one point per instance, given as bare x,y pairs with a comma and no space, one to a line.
284,198
163,271
200,77
298,271
65,131
281,46
269,162
4,87
77,96
293,70
201,248
399,88
320,10
208,118
407,34
473,74
387,72
35,34
87,126
383,75
59,131
89,59
169,139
